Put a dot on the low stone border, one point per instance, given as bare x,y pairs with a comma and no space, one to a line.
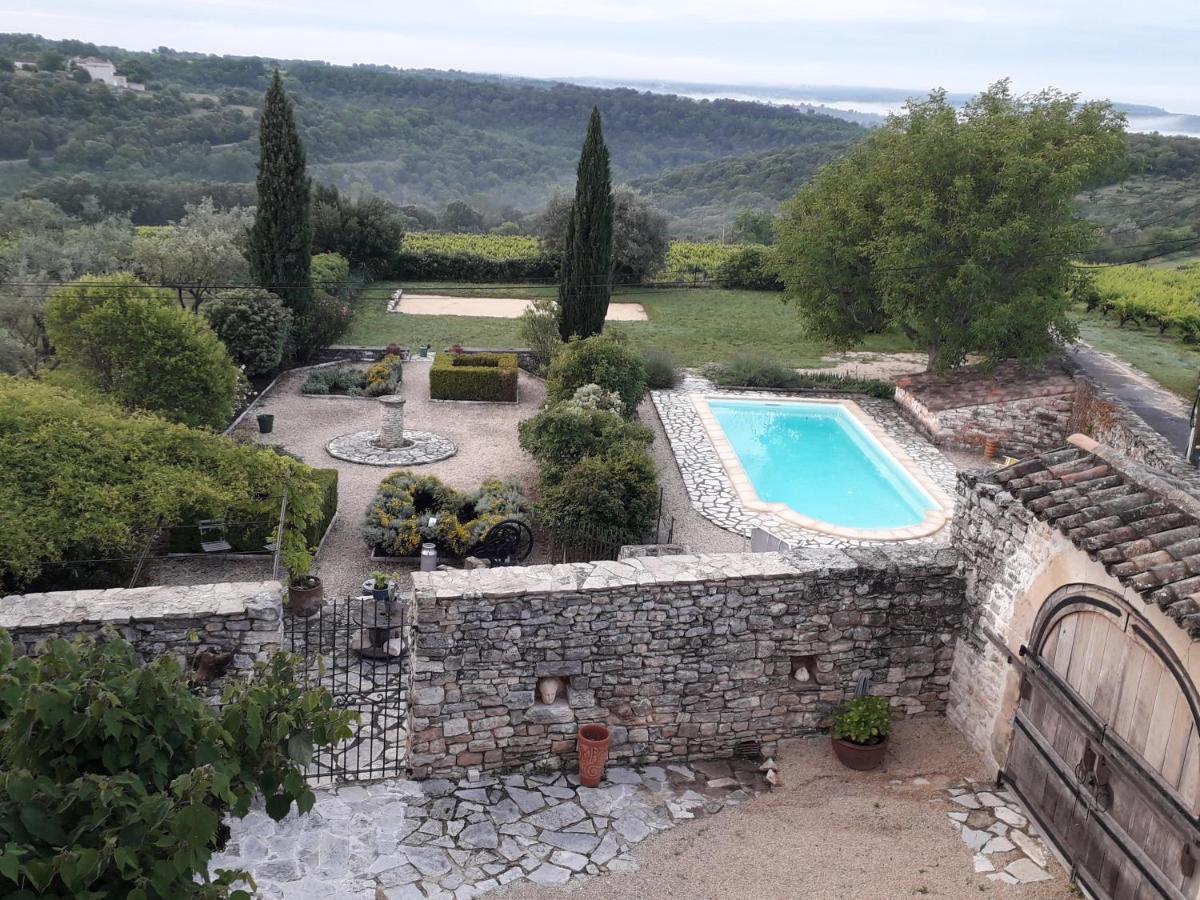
359,447
714,496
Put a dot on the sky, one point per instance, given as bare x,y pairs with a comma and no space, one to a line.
1102,49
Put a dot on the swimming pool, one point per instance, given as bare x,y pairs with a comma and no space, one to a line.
818,464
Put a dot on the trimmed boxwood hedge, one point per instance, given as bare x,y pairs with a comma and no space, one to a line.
474,376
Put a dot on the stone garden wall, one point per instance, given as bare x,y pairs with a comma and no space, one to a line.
680,655
241,619
1024,411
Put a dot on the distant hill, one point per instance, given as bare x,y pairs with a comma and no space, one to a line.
416,136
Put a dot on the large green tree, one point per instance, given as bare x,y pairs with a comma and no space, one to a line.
280,250
584,285
955,226
640,240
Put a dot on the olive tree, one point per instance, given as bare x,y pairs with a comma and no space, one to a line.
640,235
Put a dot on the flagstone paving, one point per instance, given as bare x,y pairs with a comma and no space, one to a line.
1004,842
441,839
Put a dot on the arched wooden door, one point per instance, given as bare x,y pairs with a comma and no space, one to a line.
1105,752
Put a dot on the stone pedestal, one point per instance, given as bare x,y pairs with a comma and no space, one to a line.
391,430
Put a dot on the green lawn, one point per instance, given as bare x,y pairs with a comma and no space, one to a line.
697,325
1172,363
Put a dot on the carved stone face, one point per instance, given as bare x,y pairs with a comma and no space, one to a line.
548,689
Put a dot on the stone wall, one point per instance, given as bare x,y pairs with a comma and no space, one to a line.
1100,415
1023,410
242,619
1002,547
680,655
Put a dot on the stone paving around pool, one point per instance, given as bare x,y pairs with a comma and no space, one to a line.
713,495
439,839
1000,835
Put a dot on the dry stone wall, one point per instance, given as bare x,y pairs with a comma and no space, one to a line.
680,656
242,619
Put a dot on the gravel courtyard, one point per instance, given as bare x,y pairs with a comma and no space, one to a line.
485,433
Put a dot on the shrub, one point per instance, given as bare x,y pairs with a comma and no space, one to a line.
603,359
863,720
326,320
116,775
539,331
380,378
116,335
474,376
427,256
613,494
592,396
83,480
661,371
383,377
253,325
398,519
564,433
756,372
750,268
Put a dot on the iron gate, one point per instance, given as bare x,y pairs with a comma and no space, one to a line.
357,649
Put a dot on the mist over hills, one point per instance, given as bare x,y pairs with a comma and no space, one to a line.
426,137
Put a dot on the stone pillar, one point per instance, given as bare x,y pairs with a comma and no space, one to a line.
391,431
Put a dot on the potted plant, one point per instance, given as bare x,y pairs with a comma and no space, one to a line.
305,591
379,587
860,732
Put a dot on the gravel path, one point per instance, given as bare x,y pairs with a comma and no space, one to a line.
486,435
692,529
827,834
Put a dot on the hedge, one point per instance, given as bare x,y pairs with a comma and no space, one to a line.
474,376
428,265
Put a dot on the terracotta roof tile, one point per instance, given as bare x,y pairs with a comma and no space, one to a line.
1144,532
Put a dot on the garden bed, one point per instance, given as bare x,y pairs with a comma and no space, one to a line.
376,380
486,377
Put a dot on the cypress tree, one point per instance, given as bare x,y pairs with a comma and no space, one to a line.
280,250
584,278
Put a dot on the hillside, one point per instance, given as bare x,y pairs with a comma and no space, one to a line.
417,137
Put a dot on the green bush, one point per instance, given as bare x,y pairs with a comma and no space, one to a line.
539,331
398,519
327,482
662,373
750,268
564,433
612,494
863,720
121,337
115,775
474,376
253,325
757,372
83,480
605,360
380,378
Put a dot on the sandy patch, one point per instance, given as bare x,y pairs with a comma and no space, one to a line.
829,834
497,307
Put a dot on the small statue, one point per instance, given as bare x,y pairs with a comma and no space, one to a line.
547,689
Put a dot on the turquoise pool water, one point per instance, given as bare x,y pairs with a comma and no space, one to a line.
821,462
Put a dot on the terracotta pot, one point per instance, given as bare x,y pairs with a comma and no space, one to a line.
862,757
306,601
990,448
593,754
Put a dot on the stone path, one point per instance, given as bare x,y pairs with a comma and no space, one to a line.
1004,841
713,495
405,840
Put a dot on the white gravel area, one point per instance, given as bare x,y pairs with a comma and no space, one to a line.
486,435
692,529
497,307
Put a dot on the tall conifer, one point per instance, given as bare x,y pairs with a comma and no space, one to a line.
584,284
280,249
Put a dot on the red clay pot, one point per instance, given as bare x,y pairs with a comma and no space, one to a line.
862,757
593,754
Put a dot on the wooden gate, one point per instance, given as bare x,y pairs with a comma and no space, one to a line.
1105,752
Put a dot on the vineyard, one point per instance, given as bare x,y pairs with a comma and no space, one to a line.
1168,299
434,256
494,247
